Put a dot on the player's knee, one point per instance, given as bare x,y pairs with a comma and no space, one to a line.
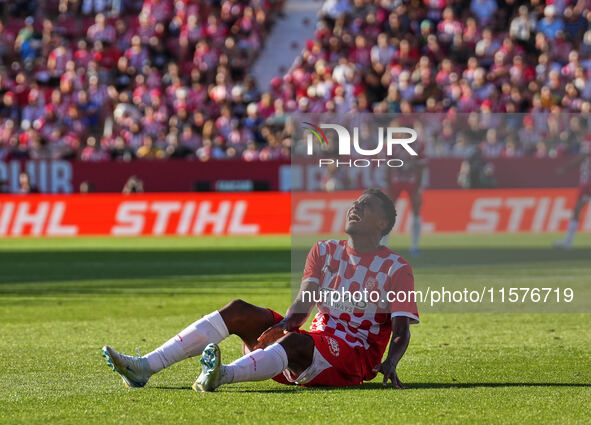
299,349
238,306
237,310
235,314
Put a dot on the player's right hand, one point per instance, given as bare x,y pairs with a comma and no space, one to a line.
271,335
388,369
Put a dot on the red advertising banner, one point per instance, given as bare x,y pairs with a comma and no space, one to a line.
472,211
159,214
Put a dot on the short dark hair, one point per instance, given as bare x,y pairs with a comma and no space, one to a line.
387,207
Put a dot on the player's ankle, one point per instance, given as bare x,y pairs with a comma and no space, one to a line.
226,375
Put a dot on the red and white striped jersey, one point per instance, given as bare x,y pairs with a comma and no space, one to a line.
335,266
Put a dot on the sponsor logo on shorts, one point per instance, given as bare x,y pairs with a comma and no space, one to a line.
333,346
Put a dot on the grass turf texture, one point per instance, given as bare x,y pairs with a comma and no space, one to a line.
62,299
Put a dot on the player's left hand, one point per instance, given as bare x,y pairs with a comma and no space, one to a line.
388,369
271,335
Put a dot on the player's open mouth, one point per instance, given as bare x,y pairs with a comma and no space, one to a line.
354,218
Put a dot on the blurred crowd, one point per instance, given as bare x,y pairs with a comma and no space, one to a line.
123,79
454,57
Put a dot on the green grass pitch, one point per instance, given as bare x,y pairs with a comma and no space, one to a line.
62,299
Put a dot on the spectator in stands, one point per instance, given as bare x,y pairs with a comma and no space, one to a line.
550,25
484,10
6,44
93,6
24,184
523,26
463,177
27,43
100,30
179,74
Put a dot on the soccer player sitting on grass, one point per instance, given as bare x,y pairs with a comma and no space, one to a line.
348,337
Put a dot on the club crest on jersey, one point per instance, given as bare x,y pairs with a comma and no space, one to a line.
333,346
371,283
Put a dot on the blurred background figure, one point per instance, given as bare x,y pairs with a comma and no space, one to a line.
133,185
25,186
86,187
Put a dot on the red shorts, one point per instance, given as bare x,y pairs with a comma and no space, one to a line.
396,188
335,363
584,192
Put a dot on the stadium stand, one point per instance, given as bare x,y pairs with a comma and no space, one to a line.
452,57
98,80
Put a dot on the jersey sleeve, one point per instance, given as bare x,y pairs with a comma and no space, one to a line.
402,297
313,267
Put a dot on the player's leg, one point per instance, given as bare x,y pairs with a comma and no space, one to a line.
238,317
573,224
582,199
294,351
416,200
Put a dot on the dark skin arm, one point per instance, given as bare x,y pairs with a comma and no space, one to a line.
398,345
296,316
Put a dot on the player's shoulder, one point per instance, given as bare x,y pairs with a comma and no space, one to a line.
331,242
398,261
330,245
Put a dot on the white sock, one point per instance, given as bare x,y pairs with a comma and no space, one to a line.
416,231
189,342
257,365
570,233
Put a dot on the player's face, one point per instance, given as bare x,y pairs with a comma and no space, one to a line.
365,216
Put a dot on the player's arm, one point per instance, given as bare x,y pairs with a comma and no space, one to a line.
299,311
302,306
398,345
577,160
403,313
297,314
